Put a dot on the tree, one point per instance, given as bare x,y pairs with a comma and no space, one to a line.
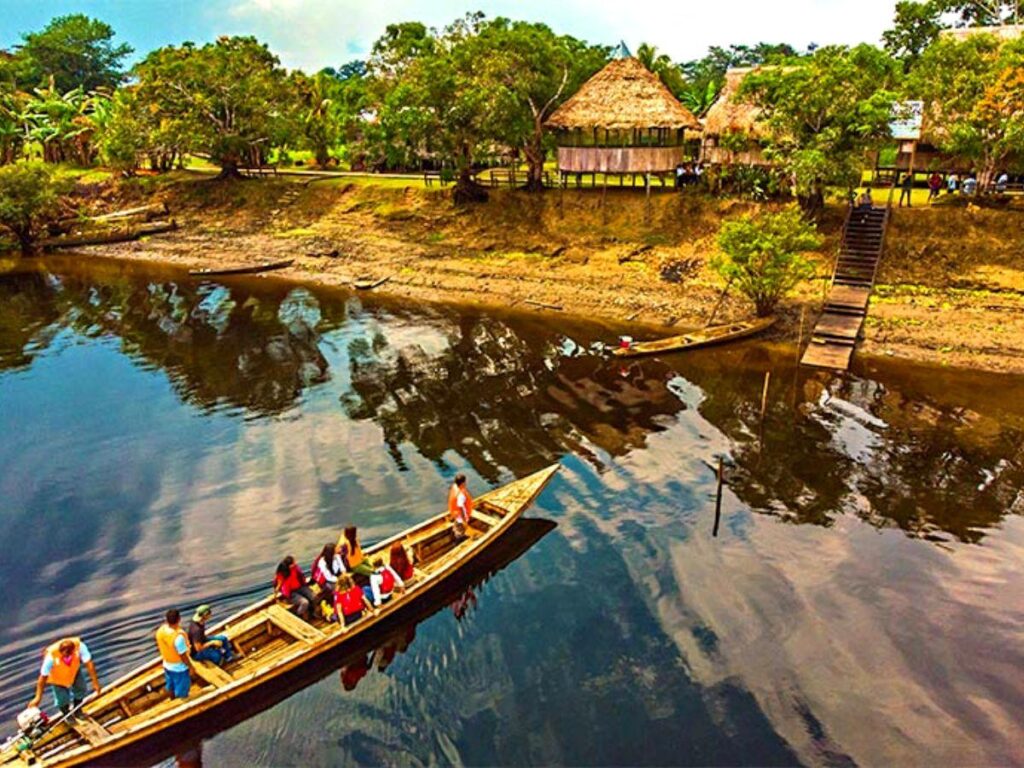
983,13
823,114
703,78
230,98
762,255
537,70
663,66
973,98
29,198
916,25
76,51
320,112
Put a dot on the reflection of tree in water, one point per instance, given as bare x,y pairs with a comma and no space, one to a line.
863,447
28,313
218,344
502,399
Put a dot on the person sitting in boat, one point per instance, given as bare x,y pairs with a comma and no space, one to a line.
290,584
216,648
399,561
349,600
172,643
383,583
63,670
328,566
460,505
357,562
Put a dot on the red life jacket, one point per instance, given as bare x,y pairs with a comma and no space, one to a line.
387,581
293,582
352,601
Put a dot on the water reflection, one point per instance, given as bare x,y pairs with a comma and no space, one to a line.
158,430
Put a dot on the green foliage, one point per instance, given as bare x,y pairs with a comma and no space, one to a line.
974,99
229,99
823,114
29,198
761,255
704,78
74,51
661,65
916,25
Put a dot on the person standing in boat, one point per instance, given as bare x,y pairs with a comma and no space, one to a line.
290,584
460,505
62,670
357,562
172,642
216,648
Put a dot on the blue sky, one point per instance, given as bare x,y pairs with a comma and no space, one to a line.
315,33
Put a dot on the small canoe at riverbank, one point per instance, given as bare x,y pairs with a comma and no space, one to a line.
269,642
718,334
246,269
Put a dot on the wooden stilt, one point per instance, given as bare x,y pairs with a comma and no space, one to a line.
718,496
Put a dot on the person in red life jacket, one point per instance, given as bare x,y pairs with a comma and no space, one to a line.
62,668
349,600
399,561
172,642
383,582
290,584
460,505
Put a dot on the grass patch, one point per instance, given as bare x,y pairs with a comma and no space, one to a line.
296,232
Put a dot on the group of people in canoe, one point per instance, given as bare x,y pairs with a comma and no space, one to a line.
343,582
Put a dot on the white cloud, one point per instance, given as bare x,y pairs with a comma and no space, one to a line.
314,33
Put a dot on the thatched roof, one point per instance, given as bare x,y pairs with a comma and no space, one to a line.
622,96
730,114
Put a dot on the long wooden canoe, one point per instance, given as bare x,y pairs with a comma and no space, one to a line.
270,642
245,269
716,334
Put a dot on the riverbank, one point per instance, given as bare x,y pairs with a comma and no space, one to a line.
951,287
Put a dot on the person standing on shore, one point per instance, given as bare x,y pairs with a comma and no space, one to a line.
62,669
906,189
934,185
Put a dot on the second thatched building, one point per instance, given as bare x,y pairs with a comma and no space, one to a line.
622,121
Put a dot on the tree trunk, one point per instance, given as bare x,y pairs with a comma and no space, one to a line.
534,152
26,241
323,156
466,189
229,170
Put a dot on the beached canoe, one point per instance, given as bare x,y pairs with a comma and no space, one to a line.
717,334
271,642
247,269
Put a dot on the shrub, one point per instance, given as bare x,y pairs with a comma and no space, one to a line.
762,255
29,199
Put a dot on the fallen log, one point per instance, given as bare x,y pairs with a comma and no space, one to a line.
149,211
115,236
542,305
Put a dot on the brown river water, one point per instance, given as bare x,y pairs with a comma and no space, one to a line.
166,440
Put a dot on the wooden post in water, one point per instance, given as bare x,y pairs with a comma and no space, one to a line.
764,405
718,496
799,344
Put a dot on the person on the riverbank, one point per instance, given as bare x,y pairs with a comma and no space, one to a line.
952,184
290,584
1002,183
460,505
349,601
934,185
62,669
906,189
970,186
172,643
399,560
355,559
216,648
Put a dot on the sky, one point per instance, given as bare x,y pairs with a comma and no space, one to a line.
311,34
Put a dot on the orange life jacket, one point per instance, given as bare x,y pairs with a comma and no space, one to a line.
165,637
62,674
454,512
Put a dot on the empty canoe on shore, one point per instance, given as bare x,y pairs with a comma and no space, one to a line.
245,269
717,334
269,642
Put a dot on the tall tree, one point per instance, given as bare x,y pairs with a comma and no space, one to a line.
983,13
230,98
703,78
916,25
973,92
663,66
76,51
824,114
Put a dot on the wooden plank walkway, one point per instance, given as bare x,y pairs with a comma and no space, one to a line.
842,319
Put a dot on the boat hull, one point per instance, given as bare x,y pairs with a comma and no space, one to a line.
718,334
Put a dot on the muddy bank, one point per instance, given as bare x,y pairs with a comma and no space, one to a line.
951,288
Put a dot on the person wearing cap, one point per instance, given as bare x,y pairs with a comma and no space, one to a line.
216,648
62,668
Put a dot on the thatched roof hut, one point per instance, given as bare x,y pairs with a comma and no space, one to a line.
623,96
730,114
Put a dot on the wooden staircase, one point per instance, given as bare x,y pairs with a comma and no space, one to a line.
835,336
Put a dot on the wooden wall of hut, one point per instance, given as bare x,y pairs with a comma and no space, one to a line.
619,159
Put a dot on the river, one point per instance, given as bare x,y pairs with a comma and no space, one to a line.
166,440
